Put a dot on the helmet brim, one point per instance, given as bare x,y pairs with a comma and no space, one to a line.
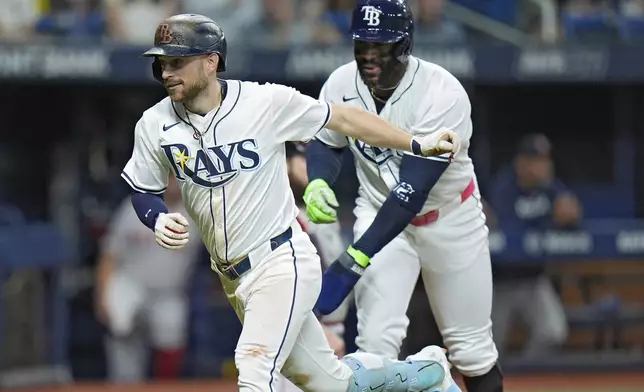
172,51
378,35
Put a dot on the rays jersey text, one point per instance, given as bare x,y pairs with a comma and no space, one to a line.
230,163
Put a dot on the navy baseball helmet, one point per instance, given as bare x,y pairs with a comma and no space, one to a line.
187,35
384,21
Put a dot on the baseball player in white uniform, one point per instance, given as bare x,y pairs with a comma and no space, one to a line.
224,142
141,296
414,215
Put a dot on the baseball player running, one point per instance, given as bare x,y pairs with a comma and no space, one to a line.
413,214
224,142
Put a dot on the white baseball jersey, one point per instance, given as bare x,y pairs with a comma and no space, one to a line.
427,98
230,164
139,257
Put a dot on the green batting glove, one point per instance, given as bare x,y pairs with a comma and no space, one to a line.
320,202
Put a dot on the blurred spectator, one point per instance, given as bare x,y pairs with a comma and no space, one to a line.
631,21
135,21
338,14
504,11
233,16
140,295
631,7
286,23
528,196
17,19
589,21
73,20
432,27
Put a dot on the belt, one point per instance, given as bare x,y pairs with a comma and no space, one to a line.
238,269
432,216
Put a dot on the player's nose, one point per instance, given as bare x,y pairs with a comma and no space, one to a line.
165,74
370,55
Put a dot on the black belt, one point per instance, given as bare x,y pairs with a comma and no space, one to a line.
235,271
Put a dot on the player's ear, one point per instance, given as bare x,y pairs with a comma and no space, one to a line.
213,62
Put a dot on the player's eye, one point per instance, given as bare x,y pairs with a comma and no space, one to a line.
172,63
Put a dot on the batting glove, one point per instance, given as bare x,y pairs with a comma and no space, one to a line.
320,202
340,278
171,230
443,141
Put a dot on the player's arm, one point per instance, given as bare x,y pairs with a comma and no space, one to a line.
324,152
376,131
328,239
566,209
323,165
148,176
398,210
298,117
416,174
417,178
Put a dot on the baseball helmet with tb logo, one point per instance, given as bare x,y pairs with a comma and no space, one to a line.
384,21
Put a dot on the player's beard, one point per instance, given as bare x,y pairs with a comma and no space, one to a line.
190,91
196,88
391,72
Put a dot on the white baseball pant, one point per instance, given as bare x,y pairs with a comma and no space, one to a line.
453,256
280,333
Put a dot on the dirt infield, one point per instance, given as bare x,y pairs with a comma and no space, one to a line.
626,382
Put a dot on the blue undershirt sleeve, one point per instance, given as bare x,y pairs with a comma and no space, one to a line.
417,178
148,207
323,162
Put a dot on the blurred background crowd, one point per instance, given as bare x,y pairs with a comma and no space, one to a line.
318,22
559,166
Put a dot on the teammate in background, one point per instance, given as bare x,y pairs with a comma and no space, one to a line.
224,142
413,214
140,296
528,196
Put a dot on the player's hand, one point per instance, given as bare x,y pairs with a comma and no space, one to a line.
443,141
339,279
171,230
320,202
335,341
